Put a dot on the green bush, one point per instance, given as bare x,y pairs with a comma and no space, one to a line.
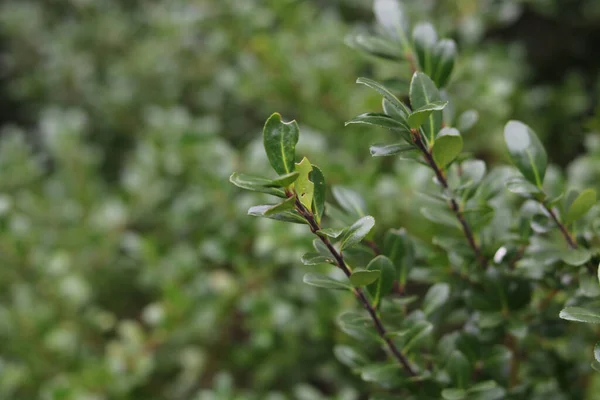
128,268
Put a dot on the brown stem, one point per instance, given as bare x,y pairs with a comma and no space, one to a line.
373,246
563,229
453,204
358,292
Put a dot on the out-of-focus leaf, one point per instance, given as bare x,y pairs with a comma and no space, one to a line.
350,201
581,205
357,232
325,282
385,284
384,150
581,314
436,296
526,151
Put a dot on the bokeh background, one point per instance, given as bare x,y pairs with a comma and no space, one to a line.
129,269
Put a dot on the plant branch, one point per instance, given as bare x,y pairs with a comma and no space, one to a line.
453,204
563,229
358,292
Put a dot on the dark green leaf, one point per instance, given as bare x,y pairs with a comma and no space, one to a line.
418,331
448,144
444,57
280,140
424,39
316,176
285,180
323,281
423,91
357,232
581,314
350,201
357,325
454,394
385,284
459,369
384,150
286,216
418,116
399,107
386,375
333,233
287,204
399,248
360,278
581,205
436,296
575,257
316,259
380,120
255,184
526,151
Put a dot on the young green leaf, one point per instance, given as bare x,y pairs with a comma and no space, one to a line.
255,184
385,284
350,201
316,259
399,107
304,187
333,233
317,178
285,216
526,151
360,278
384,150
422,92
279,139
285,180
581,314
357,232
575,257
325,282
581,205
380,120
436,296
420,115
447,146
444,57
287,204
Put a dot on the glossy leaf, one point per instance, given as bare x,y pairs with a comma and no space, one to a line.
418,116
316,259
285,180
287,204
285,216
444,57
581,205
447,146
390,16
304,188
333,233
255,184
436,296
394,102
325,282
279,139
350,201
581,314
381,121
424,39
385,150
320,192
422,92
360,278
526,151
385,283
575,257
357,232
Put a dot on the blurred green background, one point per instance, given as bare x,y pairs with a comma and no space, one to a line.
129,269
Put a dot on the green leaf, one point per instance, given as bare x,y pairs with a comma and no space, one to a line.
398,106
459,369
386,375
380,120
317,259
526,151
473,171
384,150
357,232
418,116
423,91
444,57
385,284
325,282
418,331
285,216
390,16
424,39
349,356
523,188
597,351
333,233
575,257
588,284
357,325
454,394
374,45
305,189
255,184
399,248
280,140
467,120
350,201
320,191
287,204
360,278
580,314
581,205
440,216
447,146
285,180
436,296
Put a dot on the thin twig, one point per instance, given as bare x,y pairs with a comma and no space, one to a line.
358,292
563,229
453,204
